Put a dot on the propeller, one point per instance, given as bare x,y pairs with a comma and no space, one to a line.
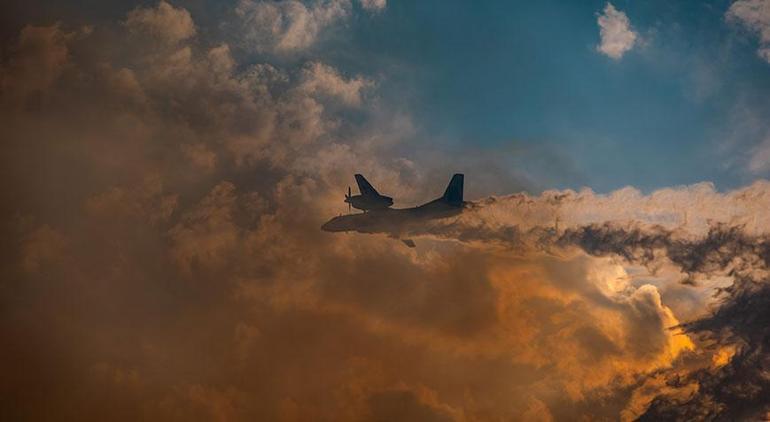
347,199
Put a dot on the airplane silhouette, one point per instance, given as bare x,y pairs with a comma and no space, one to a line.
396,222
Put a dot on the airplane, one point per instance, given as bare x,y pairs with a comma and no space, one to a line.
397,222
369,199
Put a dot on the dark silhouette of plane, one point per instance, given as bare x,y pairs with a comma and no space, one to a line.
397,222
369,199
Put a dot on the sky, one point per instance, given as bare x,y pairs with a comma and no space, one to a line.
529,75
528,79
167,166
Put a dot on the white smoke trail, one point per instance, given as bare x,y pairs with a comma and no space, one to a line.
688,210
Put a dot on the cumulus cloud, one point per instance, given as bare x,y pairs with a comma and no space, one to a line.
164,22
754,15
617,36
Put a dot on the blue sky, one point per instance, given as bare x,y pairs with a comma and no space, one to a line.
512,75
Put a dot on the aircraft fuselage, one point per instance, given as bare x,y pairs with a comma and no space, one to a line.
391,221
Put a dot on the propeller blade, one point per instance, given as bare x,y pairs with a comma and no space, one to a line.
347,199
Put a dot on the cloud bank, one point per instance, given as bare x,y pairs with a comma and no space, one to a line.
681,229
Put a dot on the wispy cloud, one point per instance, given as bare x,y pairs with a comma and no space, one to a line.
374,5
290,25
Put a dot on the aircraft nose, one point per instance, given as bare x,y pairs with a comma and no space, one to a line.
330,226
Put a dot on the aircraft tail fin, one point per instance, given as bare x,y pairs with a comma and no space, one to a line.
454,192
364,186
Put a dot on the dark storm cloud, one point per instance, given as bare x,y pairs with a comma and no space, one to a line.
739,389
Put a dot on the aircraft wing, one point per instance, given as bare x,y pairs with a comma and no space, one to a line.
364,187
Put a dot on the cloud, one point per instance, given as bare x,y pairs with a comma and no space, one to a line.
200,156
374,5
40,58
164,22
288,25
206,235
322,79
687,209
41,247
731,389
402,406
147,202
755,16
162,258
759,160
617,36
